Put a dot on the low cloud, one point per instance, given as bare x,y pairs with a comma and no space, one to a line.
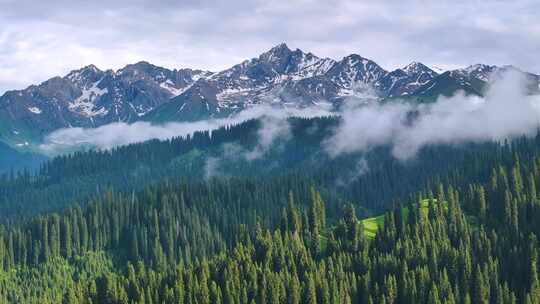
506,111
271,129
274,123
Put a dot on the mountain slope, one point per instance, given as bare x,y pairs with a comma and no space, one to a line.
12,160
405,81
89,97
447,84
264,79
282,77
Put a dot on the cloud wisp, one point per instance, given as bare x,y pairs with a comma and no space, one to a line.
272,132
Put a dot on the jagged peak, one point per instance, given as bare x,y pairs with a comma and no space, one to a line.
92,67
478,67
478,71
279,51
138,65
84,74
414,64
354,59
143,63
417,67
280,47
89,68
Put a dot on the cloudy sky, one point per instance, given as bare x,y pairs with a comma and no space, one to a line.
41,39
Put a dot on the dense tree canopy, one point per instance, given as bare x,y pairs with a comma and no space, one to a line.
461,231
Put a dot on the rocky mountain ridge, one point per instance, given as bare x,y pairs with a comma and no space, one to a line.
90,97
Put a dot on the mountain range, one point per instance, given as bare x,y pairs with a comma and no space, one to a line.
90,97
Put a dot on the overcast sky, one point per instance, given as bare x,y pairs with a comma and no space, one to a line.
41,39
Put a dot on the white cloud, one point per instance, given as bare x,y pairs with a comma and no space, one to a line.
274,125
273,130
505,112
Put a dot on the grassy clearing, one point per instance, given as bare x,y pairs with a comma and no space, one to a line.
372,224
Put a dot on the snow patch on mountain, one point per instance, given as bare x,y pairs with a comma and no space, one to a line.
312,66
231,92
479,71
35,110
171,88
85,103
89,97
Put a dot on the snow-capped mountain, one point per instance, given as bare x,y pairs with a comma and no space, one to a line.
354,69
89,97
259,80
279,76
473,79
476,71
405,81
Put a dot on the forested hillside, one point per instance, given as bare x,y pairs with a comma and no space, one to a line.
147,223
371,180
269,152
12,160
472,244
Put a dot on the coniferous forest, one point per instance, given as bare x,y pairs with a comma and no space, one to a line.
146,223
269,152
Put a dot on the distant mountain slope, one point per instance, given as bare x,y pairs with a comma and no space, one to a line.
447,84
12,160
265,79
405,81
283,77
89,97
